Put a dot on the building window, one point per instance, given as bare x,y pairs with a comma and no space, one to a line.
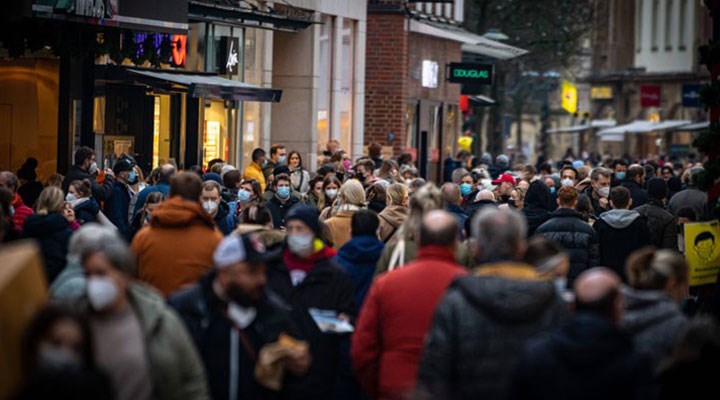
668,25
324,96
638,25
655,24
681,25
347,72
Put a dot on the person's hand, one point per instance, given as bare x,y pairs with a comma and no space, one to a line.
603,202
110,172
298,364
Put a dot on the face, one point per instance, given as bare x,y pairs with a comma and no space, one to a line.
73,191
332,186
318,189
89,161
210,195
294,161
97,265
360,170
243,282
515,197
601,182
69,213
549,182
280,153
66,334
620,168
283,183
466,179
524,185
667,174
568,174
151,207
296,227
505,188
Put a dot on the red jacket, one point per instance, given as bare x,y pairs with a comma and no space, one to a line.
396,316
21,212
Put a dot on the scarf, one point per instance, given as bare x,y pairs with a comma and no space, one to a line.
294,262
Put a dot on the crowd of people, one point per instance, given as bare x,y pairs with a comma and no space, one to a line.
506,280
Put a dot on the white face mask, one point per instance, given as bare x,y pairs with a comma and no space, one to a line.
331,193
101,292
70,197
560,284
209,206
408,182
604,191
93,168
301,245
241,316
567,182
57,357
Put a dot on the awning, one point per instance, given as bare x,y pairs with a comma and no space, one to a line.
471,42
250,16
482,100
612,138
210,86
594,124
693,127
643,127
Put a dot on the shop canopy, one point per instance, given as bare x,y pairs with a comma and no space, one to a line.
209,86
643,127
482,100
594,124
693,127
471,42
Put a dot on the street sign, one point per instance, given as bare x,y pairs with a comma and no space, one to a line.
471,74
601,93
691,95
650,96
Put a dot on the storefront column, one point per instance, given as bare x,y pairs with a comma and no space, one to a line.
337,62
75,108
192,132
267,81
358,136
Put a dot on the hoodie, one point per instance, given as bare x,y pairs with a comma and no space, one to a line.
480,328
358,258
86,210
654,320
588,358
177,247
52,233
620,233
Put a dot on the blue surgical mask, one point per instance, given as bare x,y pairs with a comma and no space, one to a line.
560,283
620,175
282,160
264,163
132,177
283,192
465,189
552,190
301,245
243,196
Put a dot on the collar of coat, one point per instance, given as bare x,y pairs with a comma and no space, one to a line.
508,270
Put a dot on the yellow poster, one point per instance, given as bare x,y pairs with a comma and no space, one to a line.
702,251
569,97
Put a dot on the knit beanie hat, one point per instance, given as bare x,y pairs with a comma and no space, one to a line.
308,215
657,188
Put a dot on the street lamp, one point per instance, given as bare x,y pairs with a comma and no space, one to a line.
495,34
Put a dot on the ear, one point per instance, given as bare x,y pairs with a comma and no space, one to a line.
558,202
612,205
630,203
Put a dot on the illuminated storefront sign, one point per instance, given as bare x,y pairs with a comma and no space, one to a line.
471,74
177,52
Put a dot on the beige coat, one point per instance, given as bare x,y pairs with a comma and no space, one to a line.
339,227
390,220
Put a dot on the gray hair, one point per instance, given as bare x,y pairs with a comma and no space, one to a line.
597,172
499,233
694,172
95,239
458,174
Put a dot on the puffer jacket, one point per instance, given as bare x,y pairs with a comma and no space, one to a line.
538,206
567,228
655,321
662,224
480,329
53,234
620,233
391,218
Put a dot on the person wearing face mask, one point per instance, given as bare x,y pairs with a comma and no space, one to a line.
255,169
635,183
351,198
282,201
619,169
278,157
272,187
599,190
396,212
139,341
80,197
327,203
217,208
303,274
20,211
232,305
58,358
86,167
143,218
316,191
567,228
117,206
551,262
568,176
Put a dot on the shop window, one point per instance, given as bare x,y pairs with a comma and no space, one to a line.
161,130
654,24
215,136
668,25
324,84
638,24
347,71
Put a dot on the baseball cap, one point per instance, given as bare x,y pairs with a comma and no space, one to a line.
504,178
122,165
281,169
236,249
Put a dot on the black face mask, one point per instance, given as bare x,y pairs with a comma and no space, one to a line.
341,177
238,296
360,176
505,198
511,203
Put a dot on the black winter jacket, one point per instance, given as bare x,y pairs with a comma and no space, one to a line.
203,313
662,224
278,209
588,358
637,193
326,287
567,228
53,234
87,211
538,206
593,201
100,193
479,330
620,233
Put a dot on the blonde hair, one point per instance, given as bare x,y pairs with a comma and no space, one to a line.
51,200
650,269
425,199
396,193
353,193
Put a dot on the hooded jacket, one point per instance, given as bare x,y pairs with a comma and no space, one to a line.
620,232
655,321
567,228
358,258
588,358
327,287
177,247
662,224
86,210
392,327
480,329
53,235
538,206
99,192
391,218
339,227
117,207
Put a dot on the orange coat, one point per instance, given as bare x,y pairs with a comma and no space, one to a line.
339,227
177,247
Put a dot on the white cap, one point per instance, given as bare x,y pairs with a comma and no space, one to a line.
230,251
225,169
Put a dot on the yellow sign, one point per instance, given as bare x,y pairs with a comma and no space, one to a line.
601,92
569,97
702,251
465,142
